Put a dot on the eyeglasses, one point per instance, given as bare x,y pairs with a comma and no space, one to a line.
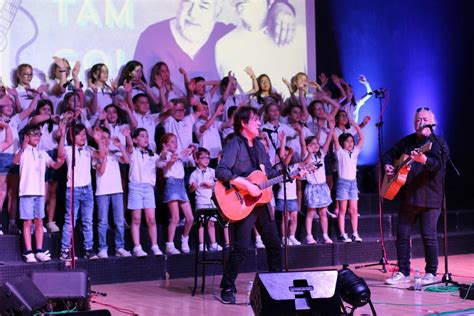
419,109
205,158
35,133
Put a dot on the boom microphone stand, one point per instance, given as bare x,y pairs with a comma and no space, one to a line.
380,94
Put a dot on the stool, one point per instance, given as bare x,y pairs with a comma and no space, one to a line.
202,217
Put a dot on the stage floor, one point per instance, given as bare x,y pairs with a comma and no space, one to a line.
173,297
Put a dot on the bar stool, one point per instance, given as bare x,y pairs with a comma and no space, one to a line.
202,217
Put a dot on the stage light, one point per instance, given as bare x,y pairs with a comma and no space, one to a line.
353,289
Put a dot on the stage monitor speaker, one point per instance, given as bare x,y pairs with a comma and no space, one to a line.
64,289
20,297
296,293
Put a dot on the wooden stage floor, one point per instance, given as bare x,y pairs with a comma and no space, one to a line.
173,297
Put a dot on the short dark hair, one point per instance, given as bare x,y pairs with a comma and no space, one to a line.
77,129
200,151
343,137
30,127
138,96
243,115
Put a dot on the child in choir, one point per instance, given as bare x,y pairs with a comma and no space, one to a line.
99,94
141,190
6,143
144,119
33,164
109,191
317,195
82,186
202,181
172,163
347,193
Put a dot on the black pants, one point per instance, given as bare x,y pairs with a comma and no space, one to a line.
241,243
407,218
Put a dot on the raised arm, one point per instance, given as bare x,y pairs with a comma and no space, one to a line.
337,81
31,108
329,137
361,134
249,71
211,120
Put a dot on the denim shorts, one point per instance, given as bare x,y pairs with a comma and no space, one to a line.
317,195
292,205
6,163
346,190
175,190
31,207
51,173
140,196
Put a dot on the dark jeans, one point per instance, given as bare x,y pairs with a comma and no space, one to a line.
241,243
407,218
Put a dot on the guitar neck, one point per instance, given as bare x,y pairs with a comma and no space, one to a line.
276,180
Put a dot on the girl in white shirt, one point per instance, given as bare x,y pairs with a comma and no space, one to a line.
175,191
99,94
141,190
347,193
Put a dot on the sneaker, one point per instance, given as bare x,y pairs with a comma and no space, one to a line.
283,242
185,244
310,240
356,237
201,247
294,241
30,258
326,238
398,278
228,296
138,251
215,247
428,278
43,256
66,255
103,254
121,252
1,231
344,238
91,255
259,243
52,227
171,249
330,214
13,230
156,250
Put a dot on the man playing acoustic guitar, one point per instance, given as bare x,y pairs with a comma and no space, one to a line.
421,197
243,154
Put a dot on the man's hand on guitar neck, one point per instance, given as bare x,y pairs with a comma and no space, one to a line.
389,170
244,185
418,157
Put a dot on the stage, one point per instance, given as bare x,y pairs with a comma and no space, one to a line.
173,296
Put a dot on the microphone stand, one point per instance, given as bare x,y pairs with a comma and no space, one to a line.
286,177
383,259
447,278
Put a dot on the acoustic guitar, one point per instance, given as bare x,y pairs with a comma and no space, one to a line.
235,205
391,184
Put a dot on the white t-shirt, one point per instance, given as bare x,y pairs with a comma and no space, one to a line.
55,98
110,182
177,169
294,142
182,129
104,97
142,167
319,175
33,163
347,163
199,176
116,131
234,100
47,141
148,121
290,191
82,170
14,124
211,138
289,133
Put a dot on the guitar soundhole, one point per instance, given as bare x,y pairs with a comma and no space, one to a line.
251,200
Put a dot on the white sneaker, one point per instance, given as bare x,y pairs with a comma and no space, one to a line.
138,251
52,227
356,237
326,238
30,258
185,244
121,252
259,243
310,240
398,278
1,231
283,242
156,250
43,256
344,238
171,249
428,278
215,247
294,241
103,254
201,247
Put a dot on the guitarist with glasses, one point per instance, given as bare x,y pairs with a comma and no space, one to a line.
421,196
243,154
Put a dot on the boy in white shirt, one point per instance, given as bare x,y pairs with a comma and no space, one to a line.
33,163
145,119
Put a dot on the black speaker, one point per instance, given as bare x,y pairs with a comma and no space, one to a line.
64,289
296,293
20,297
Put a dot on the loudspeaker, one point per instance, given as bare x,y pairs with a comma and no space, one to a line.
64,289
296,293
20,297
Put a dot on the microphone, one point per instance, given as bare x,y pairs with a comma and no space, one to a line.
67,83
270,131
430,126
377,92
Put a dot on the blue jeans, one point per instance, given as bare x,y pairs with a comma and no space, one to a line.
407,218
103,203
83,199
